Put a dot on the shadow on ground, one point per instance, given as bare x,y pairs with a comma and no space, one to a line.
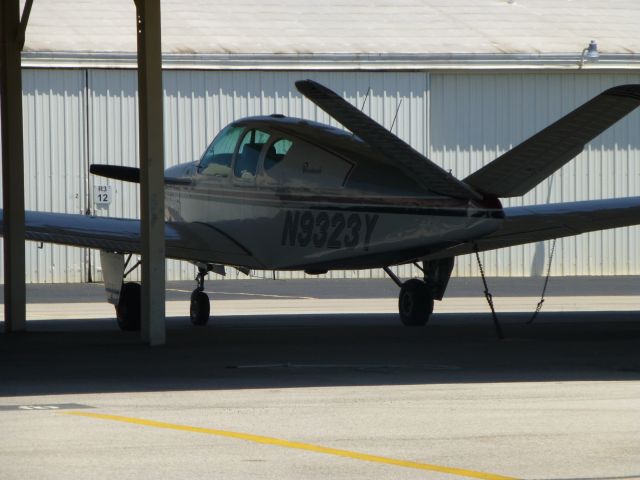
92,356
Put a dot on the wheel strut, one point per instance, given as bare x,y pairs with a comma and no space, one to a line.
393,276
415,301
200,308
202,272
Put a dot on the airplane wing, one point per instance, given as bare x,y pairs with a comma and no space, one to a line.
523,167
184,241
544,222
398,153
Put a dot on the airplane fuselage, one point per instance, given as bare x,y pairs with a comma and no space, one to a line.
316,198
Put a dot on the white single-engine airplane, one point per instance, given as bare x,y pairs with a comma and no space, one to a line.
280,193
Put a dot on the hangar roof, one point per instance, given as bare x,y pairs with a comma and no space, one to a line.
447,32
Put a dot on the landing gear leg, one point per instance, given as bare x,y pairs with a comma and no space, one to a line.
200,305
415,302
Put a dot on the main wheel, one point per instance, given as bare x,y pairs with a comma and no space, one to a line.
415,303
200,307
128,308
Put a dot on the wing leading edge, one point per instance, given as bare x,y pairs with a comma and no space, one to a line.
545,222
184,241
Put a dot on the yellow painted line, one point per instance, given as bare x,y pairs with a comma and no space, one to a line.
296,445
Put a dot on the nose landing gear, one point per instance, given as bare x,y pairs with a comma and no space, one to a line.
200,306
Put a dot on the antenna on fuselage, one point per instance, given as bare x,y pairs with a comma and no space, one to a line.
396,116
365,99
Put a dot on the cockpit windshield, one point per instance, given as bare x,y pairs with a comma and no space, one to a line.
216,160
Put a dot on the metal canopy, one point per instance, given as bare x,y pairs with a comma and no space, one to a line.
12,39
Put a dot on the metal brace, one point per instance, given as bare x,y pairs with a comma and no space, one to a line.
132,268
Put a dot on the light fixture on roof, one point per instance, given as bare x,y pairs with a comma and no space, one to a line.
590,53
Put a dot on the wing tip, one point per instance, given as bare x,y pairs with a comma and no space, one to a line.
311,87
631,90
303,84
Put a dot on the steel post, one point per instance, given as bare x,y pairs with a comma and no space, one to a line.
150,95
12,167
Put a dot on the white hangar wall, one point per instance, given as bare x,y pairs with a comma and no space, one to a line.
475,117
56,171
462,120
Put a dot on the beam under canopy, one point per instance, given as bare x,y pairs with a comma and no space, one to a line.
151,170
12,166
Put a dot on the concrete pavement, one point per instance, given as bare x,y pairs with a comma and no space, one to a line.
327,395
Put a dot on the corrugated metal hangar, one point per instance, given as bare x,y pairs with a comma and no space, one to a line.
461,81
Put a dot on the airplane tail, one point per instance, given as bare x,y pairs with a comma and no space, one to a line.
526,165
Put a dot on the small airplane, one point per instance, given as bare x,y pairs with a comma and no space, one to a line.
279,193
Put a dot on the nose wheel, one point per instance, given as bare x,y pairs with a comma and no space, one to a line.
200,306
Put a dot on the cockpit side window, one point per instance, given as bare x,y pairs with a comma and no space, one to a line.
216,160
249,153
299,164
276,153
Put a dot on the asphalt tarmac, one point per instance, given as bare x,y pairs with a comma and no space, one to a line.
347,288
326,395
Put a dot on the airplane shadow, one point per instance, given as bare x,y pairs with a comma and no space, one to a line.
239,352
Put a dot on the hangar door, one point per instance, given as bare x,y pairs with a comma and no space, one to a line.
73,118
478,116
56,173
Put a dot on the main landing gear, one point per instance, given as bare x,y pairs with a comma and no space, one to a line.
128,307
415,302
200,305
126,296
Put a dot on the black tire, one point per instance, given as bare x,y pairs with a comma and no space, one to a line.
200,308
415,303
128,308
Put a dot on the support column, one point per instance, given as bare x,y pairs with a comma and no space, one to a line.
12,166
151,171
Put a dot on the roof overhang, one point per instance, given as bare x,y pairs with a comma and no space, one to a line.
335,61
